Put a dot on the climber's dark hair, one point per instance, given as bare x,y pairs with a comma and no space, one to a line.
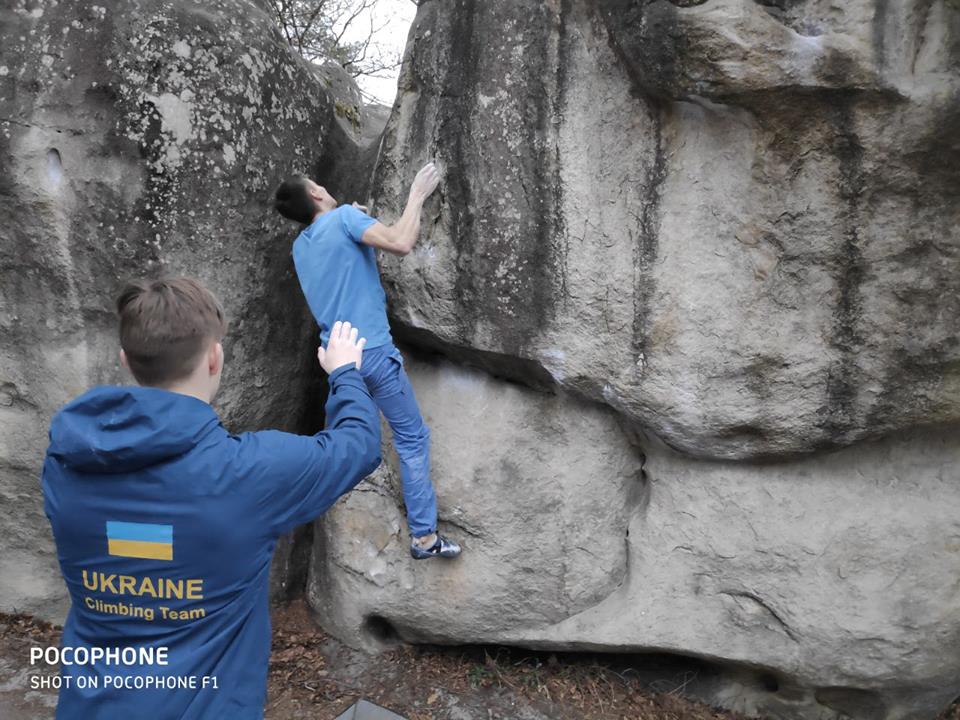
292,200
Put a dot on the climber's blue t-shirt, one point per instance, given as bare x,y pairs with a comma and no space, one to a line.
339,276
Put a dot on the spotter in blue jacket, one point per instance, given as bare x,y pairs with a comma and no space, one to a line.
165,525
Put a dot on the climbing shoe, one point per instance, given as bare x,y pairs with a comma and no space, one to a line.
441,548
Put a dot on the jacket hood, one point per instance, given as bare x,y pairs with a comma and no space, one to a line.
122,429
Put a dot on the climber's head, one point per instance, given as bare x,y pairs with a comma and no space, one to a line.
170,333
299,198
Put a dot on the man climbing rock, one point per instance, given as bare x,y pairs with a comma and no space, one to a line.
336,262
165,524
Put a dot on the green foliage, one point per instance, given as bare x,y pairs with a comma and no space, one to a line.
479,676
349,112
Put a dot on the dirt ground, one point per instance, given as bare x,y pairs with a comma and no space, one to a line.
314,676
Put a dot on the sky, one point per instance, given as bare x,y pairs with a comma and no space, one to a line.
395,16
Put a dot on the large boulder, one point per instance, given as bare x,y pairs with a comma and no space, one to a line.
822,587
719,239
755,205
141,137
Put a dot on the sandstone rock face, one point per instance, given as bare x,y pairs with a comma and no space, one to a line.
755,204
139,138
719,240
552,515
823,587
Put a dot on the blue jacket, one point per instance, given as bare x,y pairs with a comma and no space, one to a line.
165,526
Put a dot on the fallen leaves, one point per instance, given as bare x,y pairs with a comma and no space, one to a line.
312,675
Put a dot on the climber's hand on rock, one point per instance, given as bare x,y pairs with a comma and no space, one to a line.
425,182
361,208
343,348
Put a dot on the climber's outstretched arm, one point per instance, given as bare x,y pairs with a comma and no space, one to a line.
400,237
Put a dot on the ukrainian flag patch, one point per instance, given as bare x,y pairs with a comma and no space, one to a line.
140,540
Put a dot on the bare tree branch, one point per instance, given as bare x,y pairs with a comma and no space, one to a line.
359,8
318,29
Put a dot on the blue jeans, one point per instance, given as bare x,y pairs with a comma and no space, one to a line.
382,370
